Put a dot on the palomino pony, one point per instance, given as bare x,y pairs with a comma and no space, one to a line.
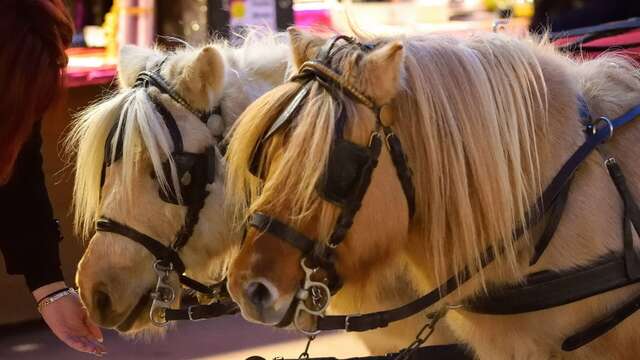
128,164
432,150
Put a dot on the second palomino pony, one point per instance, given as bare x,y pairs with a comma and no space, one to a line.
458,156
150,176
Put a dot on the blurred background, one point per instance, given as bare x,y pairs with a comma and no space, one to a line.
102,26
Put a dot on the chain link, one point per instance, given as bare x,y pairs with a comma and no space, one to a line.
305,353
421,337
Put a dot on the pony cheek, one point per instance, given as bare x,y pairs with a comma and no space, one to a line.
238,275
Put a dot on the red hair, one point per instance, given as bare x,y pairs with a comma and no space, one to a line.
33,37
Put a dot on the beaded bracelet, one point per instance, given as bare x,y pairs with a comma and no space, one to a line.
55,296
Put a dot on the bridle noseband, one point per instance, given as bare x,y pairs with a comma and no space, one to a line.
194,173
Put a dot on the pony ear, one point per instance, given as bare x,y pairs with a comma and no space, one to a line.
132,60
382,71
304,46
204,76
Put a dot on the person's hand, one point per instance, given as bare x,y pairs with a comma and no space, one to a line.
68,320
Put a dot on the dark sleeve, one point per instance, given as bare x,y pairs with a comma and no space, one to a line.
29,235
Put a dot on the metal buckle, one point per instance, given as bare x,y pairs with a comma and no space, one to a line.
319,294
602,119
190,313
163,295
610,161
374,134
347,323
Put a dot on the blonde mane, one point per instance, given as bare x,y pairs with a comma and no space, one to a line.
143,129
258,59
472,117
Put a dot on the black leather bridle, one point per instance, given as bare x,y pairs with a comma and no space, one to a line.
539,291
194,172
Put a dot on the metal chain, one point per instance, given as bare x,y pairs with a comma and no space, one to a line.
305,353
421,337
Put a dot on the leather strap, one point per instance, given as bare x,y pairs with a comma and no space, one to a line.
550,289
158,249
602,326
631,220
287,115
171,124
554,217
149,78
202,312
283,231
195,285
403,171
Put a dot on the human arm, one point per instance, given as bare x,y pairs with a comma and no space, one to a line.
29,243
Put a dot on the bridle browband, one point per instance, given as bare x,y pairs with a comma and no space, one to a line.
552,288
194,173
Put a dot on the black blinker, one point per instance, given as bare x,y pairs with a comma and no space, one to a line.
194,172
344,171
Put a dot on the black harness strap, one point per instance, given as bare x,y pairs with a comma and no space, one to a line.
163,253
223,305
601,326
403,171
631,219
202,312
550,289
283,231
146,78
171,124
554,217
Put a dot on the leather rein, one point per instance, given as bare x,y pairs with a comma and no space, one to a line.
198,171
539,291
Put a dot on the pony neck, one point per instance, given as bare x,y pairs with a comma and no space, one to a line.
588,227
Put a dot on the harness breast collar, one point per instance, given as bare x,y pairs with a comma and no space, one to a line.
195,172
539,291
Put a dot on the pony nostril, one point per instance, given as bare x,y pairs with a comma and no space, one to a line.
102,303
259,294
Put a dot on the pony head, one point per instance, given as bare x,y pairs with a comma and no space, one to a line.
116,274
469,113
267,274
